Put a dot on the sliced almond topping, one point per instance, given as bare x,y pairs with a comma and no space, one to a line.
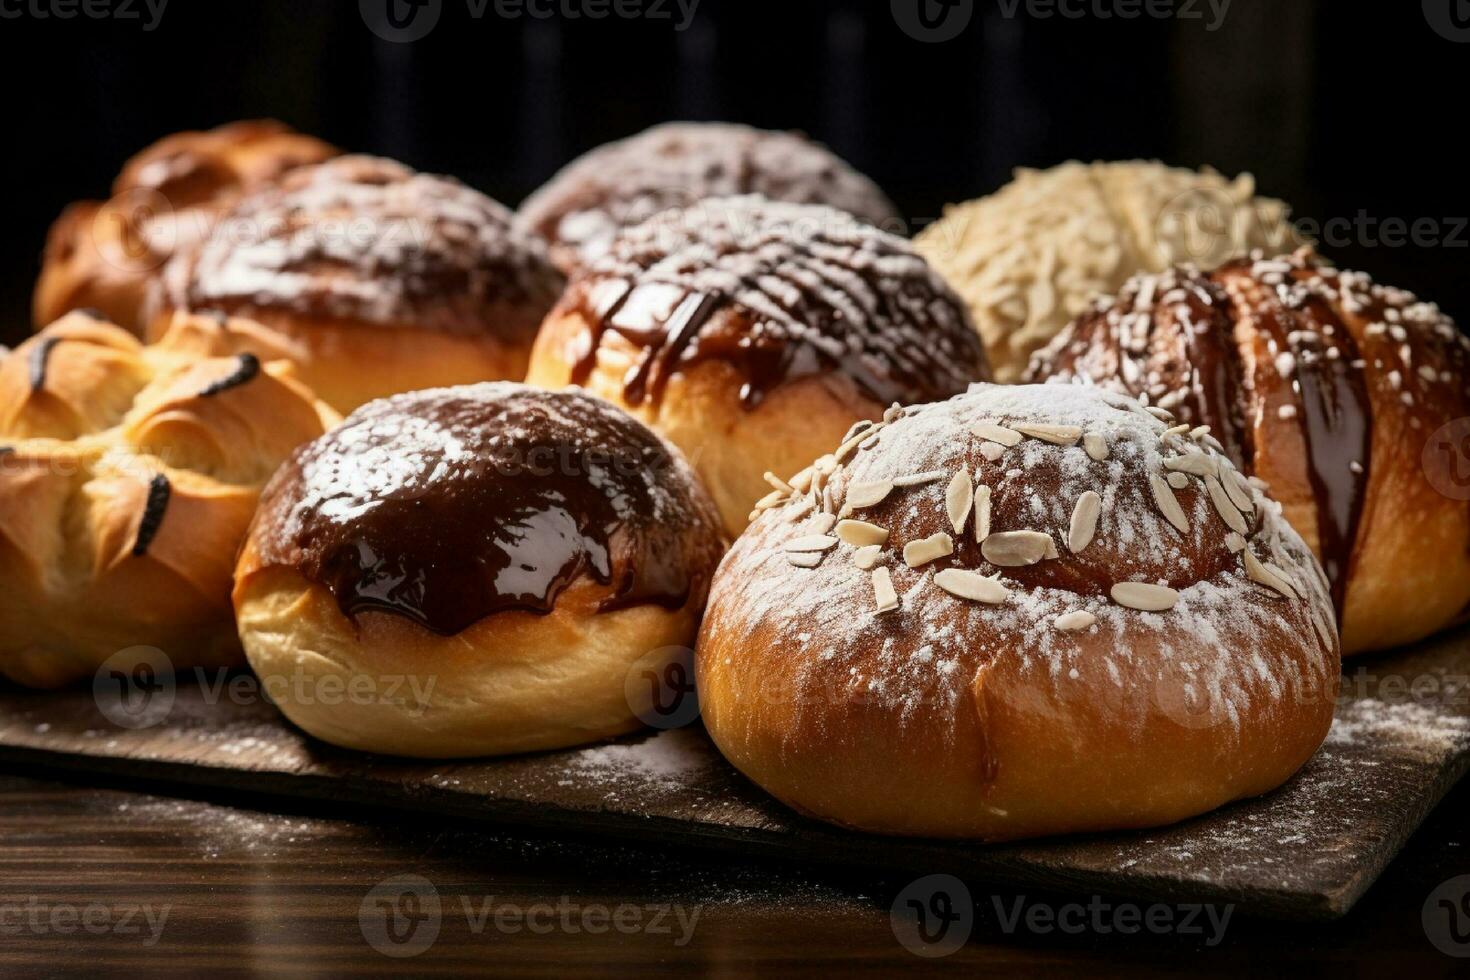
1194,463
925,550
857,429
1235,543
958,498
914,479
971,585
1096,446
825,464
1286,578
982,513
1144,596
802,482
1168,504
1178,480
811,542
1263,574
861,533
1084,521
770,500
1060,435
1237,490
1224,507
1174,430
992,451
823,523
857,434
1012,549
892,412
996,433
1077,619
1162,414
805,559
883,592
1199,432
868,494
867,556
778,483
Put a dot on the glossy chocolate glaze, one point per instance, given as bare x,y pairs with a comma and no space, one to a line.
781,292
249,367
159,491
450,505
40,359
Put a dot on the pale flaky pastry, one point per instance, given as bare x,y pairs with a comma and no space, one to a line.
104,255
1026,610
385,279
475,570
1032,255
1350,398
128,475
752,334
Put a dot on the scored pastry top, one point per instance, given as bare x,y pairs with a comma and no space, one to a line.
365,239
448,505
781,292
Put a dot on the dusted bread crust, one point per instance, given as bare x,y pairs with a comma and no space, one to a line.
1048,705
388,280
1333,389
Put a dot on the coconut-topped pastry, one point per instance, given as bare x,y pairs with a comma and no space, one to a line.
1025,610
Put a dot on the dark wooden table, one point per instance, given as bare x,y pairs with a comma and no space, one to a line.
125,878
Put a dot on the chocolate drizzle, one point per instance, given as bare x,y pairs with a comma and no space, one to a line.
249,367
781,292
40,359
159,491
450,505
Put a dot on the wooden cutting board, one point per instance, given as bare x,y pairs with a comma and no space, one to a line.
1306,851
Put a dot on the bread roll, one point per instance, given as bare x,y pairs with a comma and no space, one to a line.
752,334
128,475
1026,610
484,565
1031,256
104,255
387,280
583,207
1333,389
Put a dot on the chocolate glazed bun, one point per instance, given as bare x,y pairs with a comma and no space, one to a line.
1334,390
1026,610
511,553
104,255
584,206
752,334
389,280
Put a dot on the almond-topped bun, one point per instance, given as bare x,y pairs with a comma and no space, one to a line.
128,476
1347,397
753,334
104,255
1026,610
583,207
388,280
512,553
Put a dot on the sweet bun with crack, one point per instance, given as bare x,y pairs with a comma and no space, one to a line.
676,165
104,255
1348,397
1026,610
128,475
513,553
385,279
753,333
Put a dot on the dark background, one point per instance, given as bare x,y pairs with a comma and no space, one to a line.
1333,108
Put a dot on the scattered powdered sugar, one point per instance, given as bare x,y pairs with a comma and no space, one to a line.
1402,728
670,756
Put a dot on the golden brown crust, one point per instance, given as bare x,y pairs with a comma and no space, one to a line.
105,255
1329,388
1040,698
128,476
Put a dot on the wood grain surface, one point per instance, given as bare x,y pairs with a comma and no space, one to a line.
1307,851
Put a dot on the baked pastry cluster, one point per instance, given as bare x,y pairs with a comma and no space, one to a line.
752,334
518,550
104,255
388,280
128,475
676,165
1025,610
1033,255
1328,386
